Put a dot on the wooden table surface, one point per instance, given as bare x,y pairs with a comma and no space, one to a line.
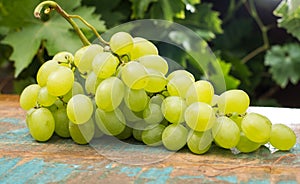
23,160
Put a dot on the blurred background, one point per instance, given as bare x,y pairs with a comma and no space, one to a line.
256,42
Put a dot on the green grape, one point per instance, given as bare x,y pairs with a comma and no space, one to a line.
76,89
97,133
225,132
61,122
84,57
256,127
60,81
109,94
237,119
179,84
82,133
110,123
245,145
181,73
138,129
174,137
45,70
78,55
41,124
157,99
105,65
152,135
173,108
80,109
64,58
136,100
28,114
200,116
28,97
125,134
134,75
154,62
156,81
121,43
282,137
152,114
142,47
232,101
200,91
130,116
199,142
44,98
91,83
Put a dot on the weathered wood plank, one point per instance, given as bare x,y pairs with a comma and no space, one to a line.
23,160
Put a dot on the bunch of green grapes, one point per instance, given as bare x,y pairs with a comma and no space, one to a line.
126,90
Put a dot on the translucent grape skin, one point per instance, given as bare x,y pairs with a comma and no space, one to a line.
225,132
256,127
245,145
82,133
142,47
200,116
282,137
84,58
44,98
174,137
91,83
125,134
28,97
152,114
79,109
105,65
179,84
64,58
136,100
152,136
154,62
61,123
156,81
110,123
60,81
41,124
109,94
121,43
173,108
233,101
200,91
199,142
75,90
45,70
134,75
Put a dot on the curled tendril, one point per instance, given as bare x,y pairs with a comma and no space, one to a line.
45,8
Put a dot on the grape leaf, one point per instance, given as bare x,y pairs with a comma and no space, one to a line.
56,34
139,7
284,62
289,13
230,81
205,22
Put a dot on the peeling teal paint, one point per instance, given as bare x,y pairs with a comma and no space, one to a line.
229,179
156,175
13,121
18,135
131,172
33,171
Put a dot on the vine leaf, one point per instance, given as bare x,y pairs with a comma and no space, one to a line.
205,22
230,81
289,11
26,36
284,62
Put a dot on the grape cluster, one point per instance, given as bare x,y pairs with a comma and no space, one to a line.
125,89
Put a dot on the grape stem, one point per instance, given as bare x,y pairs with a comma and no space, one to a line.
47,6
